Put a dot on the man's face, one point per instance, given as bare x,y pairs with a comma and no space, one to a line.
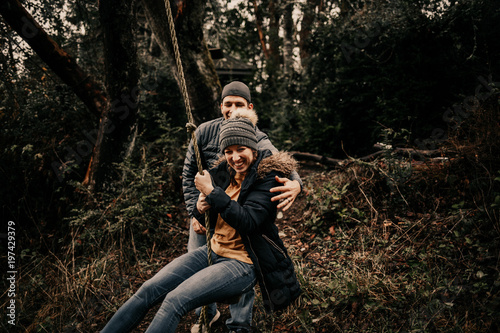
231,103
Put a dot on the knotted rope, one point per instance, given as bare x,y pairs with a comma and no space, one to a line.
191,127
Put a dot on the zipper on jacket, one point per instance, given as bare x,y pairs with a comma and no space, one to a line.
273,244
260,272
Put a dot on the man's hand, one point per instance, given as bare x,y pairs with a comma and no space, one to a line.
290,190
204,182
197,227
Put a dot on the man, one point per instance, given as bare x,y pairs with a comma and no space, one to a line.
235,95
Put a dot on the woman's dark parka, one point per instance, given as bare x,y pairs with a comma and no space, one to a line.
253,216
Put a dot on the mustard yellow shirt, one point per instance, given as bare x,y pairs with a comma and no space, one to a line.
226,241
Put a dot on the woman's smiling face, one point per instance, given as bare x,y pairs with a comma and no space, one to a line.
240,158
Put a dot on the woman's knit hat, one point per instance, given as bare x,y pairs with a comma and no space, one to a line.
239,129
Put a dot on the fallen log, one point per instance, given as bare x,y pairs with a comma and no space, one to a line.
428,155
300,156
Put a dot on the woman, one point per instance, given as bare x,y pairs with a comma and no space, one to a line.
245,246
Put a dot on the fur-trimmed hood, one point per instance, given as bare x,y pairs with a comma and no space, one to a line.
280,161
245,113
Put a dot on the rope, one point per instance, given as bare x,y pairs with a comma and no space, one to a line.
191,127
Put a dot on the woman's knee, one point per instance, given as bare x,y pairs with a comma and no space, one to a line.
177,304
149,292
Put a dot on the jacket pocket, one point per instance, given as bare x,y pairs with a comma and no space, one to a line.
273,244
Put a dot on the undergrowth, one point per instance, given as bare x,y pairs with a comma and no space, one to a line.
398,245
72,279
392,245
392,266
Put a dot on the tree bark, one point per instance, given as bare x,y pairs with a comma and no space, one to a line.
288,28
199,70
122,77
260,30
430,155
63,65
8,93
300,156
274,38
308,19
270,43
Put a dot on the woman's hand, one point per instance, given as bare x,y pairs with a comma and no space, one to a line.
202,205
204,182
198,227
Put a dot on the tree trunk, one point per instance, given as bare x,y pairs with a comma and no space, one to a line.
122,77
308,20
274,38
345,7
260,29
84,86
288,28
270,43
199,71
8,93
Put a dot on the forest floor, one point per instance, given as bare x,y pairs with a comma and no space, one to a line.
377,247
364,267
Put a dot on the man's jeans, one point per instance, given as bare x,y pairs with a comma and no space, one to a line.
183,285
241,312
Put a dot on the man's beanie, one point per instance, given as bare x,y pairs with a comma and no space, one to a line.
237,88
239,130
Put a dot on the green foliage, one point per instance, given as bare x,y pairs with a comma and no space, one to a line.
129,212
44,124
391,65
400,269
325,202
134,211
398,64
33,137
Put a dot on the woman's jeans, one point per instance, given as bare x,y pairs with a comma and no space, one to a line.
241,312
183,285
